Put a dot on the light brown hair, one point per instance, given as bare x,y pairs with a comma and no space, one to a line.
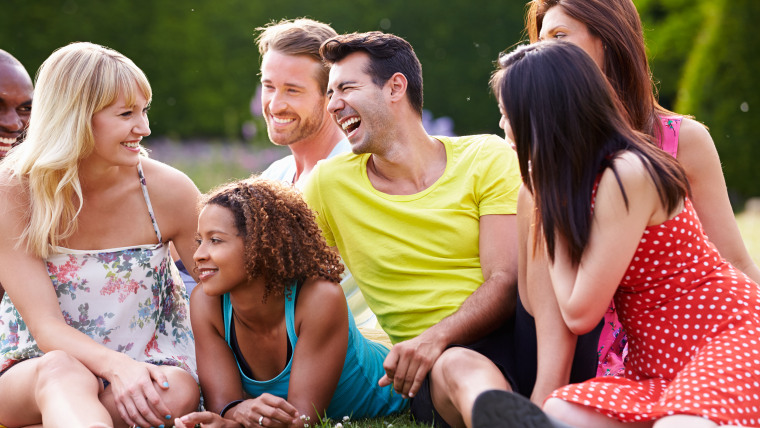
302,36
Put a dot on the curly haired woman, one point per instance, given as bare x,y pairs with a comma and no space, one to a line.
275,341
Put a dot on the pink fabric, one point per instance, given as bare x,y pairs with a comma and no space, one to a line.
613,342
671,126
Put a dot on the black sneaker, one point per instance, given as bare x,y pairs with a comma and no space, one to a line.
504,409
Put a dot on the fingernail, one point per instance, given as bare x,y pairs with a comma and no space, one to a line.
168,416
166,385
411,395
161,426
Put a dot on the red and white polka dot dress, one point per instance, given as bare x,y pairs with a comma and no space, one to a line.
693,324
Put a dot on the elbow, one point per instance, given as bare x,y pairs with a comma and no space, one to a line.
581,323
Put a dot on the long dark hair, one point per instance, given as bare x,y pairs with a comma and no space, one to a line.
618,25
568,127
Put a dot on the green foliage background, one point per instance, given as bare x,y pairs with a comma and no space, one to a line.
202,61
203,64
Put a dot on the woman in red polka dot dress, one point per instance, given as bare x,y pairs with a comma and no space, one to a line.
615,220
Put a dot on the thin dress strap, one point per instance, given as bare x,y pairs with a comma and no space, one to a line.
671,125
144,186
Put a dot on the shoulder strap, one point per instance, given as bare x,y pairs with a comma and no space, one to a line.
671,126
290,312
144,186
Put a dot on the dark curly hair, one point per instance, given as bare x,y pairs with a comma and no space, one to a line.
281,239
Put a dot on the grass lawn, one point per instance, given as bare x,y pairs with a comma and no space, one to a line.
399,421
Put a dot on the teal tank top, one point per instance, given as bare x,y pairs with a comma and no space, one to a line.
357,394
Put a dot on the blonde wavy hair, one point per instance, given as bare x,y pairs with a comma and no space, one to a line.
73,84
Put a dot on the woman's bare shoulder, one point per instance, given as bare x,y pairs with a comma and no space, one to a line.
694,139
320,298
14,193
159,173
168,186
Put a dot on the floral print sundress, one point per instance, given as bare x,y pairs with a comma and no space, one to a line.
130,300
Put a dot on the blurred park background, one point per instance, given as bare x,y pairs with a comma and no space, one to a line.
203,64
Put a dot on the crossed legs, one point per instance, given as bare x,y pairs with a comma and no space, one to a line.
55,389
59,391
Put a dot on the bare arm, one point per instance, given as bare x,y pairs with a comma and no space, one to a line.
217,370
698,156
318,358
322,325
175,200
556,343
219,375
488,307
28,285
585,290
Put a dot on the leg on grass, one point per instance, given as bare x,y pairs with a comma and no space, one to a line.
457,378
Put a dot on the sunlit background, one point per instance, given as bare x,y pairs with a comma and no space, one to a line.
203,64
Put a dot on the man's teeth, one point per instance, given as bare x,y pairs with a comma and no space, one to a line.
7,141
283,121
349,122
132,144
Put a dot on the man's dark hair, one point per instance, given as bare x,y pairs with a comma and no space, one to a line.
388,55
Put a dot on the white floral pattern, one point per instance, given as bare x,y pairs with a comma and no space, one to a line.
131,300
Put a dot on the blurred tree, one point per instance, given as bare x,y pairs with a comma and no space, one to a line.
203,64
721,89
202,61
670,30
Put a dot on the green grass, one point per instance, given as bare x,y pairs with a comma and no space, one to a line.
402,420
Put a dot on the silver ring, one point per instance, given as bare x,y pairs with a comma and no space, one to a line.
261,420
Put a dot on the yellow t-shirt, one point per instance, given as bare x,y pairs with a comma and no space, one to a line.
415,257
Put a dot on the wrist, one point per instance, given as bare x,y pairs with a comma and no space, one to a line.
113,361
437,335
229,406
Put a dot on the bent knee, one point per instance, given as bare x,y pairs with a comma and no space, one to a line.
56,364
59,366
461,365
462,359
183,395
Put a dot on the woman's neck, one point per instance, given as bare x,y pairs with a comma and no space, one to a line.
252,311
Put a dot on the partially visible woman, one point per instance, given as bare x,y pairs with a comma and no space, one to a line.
614,218
276,342
94,327
610,31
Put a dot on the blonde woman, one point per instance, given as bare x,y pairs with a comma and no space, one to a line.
94,327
